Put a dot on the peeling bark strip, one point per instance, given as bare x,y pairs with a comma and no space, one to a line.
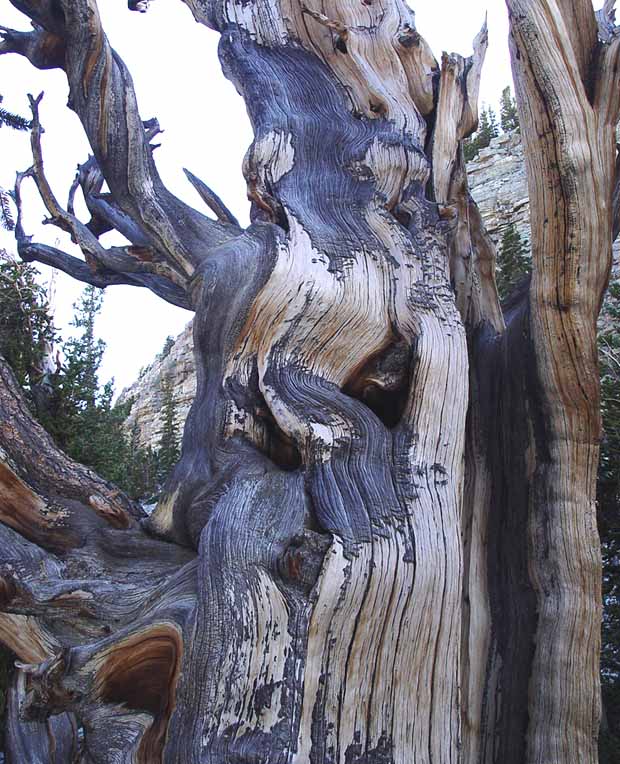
379,543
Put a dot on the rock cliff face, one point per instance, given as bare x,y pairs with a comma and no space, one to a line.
146,392
498,184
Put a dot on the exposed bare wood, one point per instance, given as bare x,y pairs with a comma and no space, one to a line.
32,465
48,741
457,111
580,34
616,198
379,542
137,265
606,99
211,199
570,152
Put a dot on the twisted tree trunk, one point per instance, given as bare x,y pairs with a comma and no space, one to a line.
379,544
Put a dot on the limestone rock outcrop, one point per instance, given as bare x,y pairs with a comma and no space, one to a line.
147,395
498,183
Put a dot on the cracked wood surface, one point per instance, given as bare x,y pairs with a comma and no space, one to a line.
378,544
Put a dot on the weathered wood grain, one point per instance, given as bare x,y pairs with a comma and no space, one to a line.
379,542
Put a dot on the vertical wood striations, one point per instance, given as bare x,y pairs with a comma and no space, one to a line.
356,315
542,380
378,545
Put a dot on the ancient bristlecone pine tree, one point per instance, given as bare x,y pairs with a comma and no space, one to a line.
379,544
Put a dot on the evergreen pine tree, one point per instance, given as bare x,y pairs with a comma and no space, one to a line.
514,261
15,122
483,123
487,130
77,423
509,116
142,471
26,326
83,421
169,451
470,148
168,345
493,124
77,412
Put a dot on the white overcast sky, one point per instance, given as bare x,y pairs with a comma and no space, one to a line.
178,79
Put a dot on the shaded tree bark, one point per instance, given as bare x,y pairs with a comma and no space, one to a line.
379,544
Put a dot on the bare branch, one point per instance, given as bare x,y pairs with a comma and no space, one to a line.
606,98
103,96
457,110
212,200
32,465
44,50
136,265
78,269
103,276
106,214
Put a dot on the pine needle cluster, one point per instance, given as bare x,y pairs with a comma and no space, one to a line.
15,122
489,127
514,261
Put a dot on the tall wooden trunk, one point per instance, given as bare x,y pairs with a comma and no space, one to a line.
379,545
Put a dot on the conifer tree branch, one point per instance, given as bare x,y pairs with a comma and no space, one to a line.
6,215
14,121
